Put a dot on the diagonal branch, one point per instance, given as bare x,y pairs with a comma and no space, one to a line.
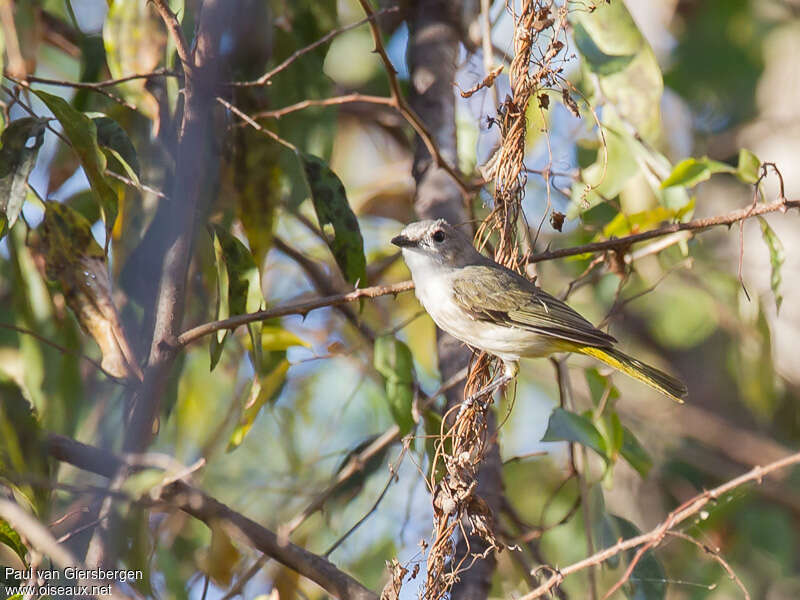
780,205
654,537
206,508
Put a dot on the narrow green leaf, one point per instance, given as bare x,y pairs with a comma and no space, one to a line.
264,390
598,384
648,580
239,290
111,136
691,171
777,256
569,427
81,131
393,361
17,158
22,452
748,167
604,530
11,538
333,211
634,453
353,485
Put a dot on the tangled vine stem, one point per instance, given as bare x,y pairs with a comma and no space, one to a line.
656,535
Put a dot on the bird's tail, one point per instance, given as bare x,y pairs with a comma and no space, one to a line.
658,380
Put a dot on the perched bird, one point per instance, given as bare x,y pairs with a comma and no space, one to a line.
492,308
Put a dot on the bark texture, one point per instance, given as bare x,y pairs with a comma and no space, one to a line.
433,50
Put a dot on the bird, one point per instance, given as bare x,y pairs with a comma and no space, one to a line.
492,308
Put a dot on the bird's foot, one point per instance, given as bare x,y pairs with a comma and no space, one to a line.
486,391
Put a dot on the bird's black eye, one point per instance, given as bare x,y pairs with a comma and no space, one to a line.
438,236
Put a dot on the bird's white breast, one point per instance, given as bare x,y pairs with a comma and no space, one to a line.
434,289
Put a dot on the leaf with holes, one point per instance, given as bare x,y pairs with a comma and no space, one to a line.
238,289
17,158
334,212
565,426
75,259
777,256
393,361
81,132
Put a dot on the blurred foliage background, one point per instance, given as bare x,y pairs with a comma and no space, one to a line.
277,408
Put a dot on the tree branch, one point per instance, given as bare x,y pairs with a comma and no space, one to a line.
654,537
300,308
200,505
781,205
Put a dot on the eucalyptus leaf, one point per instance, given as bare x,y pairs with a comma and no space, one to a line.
634,453
565,426
12,539
81,132
777,256
648,580
748,166
334,212
17,159
239,290
392,359
691,171
112,137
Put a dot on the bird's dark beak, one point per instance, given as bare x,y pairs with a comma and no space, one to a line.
403,242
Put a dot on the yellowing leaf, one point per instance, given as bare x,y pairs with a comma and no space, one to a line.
78,263
219,561
691,171
264,390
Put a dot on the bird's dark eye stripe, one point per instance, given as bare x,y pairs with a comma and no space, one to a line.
438,236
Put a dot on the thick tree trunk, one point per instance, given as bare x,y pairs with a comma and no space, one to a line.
432,56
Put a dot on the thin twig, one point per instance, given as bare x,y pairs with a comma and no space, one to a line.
247,119
695,225
404,108
200,505
334,101
298,53
656,535
300,308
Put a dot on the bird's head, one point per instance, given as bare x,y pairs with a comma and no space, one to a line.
436,242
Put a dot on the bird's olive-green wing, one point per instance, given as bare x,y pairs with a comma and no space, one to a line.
498,295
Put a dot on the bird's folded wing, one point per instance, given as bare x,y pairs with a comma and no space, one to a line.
498,295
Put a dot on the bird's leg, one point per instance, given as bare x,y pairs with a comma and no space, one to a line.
509,373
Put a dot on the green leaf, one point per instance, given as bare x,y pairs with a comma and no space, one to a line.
17,159
691,171
611,429
570,427
112,137
263,391
393,361
354,484
333,211
11,538
22,452
604,530
648,580
81,131
598,384
748,167
777,256
634,453
627,72
239,290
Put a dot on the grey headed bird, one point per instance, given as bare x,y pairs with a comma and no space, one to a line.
492,308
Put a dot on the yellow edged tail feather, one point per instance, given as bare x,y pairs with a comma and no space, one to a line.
658,380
